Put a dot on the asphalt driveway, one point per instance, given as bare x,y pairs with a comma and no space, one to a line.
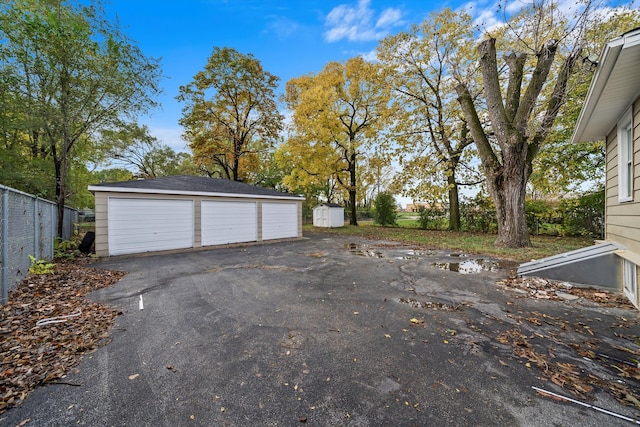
324,331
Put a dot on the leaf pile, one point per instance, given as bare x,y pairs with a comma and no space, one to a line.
32,355
541,288
614,369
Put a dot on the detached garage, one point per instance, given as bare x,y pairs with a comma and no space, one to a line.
181,212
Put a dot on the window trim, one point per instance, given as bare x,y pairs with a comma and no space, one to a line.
625,157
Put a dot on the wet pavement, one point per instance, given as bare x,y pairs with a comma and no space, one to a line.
335,330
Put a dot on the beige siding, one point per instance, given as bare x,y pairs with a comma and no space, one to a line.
197,219
101,242
299,219
623,218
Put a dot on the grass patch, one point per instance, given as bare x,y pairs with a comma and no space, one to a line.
476,243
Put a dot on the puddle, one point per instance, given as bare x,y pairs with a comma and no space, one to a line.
427,305
470,266
363,250
414,254
457,255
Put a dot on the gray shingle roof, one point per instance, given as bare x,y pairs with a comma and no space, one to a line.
192,184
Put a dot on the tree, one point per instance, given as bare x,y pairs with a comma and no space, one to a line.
374,177
230,116
561,166
73,73
430,137
132,146
541,48
385,213
336,114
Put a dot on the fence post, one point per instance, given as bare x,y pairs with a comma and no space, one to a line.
4,250
36,231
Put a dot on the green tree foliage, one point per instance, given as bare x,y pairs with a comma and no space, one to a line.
69,72
337,115
385,210
132,146
230,118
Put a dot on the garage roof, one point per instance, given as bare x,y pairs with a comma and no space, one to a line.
192,185
614,87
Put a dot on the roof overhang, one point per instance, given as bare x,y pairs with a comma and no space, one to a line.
615,85
110,189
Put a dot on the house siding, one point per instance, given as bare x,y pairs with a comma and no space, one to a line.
622,225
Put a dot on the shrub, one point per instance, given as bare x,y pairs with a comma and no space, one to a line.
66,249
385,210
584,216
431,218
478,214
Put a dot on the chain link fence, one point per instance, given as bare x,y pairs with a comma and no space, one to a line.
27,227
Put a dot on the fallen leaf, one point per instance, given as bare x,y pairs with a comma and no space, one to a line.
387,336
134,376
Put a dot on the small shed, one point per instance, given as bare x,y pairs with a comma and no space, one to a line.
328,215
180,212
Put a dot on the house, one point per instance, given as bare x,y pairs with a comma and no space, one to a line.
328,215
415,207
611,112
180,212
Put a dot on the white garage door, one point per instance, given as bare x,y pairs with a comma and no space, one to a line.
228,222
143,225
279,220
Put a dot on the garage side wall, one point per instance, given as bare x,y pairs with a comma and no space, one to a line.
101,212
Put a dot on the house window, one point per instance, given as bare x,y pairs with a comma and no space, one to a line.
629,278
625,158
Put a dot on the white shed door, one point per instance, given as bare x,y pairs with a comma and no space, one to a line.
279,220
143,225
228,222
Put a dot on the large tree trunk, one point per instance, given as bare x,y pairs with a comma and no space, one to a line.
506,181
59,195
508,190
352,190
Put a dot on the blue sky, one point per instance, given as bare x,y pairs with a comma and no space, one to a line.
290,37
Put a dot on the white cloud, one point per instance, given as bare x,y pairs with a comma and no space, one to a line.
389,18
281,26
169,136
371,56
359,23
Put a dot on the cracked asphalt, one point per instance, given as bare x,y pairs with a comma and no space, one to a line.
331,331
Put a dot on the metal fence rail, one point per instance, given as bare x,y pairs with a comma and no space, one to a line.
28,227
